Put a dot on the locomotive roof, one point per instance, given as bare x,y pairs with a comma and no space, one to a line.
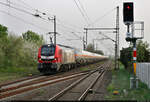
48,45
59,45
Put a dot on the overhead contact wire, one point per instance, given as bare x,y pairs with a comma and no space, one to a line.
18,18
81,12
82,7
100,18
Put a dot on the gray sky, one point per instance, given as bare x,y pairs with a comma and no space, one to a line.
69,19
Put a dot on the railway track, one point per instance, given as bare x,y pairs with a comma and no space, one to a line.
19,80
81,88
28,84
12,90
29,79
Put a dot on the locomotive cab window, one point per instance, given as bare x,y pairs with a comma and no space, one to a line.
48,50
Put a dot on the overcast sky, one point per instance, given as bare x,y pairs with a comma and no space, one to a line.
101,13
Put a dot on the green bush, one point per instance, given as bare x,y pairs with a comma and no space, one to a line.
18,56
143,54
17,52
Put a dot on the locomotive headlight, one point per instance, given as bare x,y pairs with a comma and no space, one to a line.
56,59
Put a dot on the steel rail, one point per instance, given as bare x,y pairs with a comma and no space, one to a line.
101,75
28,88
61,93
45,83
31,77
56,96
19,80
40,80
68,88
82,97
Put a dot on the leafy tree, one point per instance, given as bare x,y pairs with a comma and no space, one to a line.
17,51
32,37
99,52
3,43
3,31
126,56
143,51
90,48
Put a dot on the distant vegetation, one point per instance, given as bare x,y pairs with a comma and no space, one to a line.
143,53
18,51
90,48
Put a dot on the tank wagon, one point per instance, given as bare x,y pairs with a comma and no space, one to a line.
57,58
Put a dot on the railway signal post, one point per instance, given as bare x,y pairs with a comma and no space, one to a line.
128,18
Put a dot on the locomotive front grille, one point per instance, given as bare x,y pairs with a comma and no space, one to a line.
47,59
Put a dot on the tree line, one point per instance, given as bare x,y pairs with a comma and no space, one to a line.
90,48
18,51
143,54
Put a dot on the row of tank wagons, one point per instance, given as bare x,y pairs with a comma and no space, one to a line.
80,57
85,57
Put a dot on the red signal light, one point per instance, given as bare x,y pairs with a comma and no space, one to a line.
128,7
128,13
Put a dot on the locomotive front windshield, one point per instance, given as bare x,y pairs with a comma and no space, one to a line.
48,50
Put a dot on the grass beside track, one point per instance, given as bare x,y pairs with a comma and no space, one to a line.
9,74
121,83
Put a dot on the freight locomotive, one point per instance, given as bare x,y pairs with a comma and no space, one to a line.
55,58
